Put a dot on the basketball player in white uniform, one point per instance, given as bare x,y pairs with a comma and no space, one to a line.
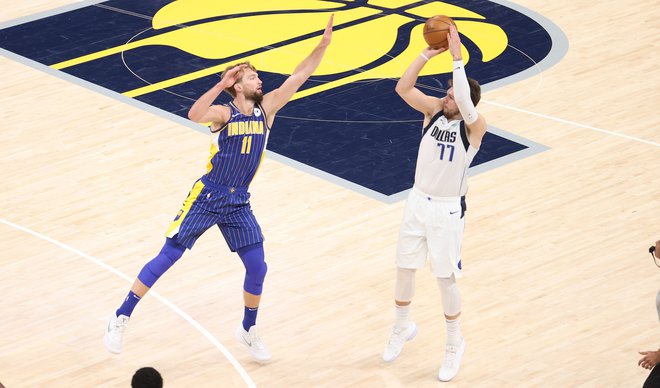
434,215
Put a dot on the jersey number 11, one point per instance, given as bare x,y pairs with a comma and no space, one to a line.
247,144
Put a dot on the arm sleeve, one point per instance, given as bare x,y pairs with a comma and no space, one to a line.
462,94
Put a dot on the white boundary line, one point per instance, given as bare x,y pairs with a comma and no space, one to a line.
563,121
241,371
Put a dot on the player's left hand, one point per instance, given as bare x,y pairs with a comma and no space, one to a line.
327,34
650,359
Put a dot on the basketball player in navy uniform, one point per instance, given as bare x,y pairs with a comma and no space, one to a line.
238,138
433,220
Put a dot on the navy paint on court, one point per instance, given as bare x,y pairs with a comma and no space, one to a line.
361,132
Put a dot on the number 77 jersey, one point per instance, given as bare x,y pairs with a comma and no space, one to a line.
443,158
237,148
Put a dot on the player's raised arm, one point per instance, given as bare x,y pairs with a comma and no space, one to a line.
203,112
474,122
411,95
276,99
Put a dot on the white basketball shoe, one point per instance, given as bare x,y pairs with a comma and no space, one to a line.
114,332
452,361
398,337
256,346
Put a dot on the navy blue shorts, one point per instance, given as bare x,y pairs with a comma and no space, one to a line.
207,205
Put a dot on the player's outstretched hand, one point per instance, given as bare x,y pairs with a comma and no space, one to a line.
454,41
327,34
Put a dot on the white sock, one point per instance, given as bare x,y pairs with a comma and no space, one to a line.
402,316
454,334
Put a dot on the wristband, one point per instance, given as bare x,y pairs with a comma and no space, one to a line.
424,56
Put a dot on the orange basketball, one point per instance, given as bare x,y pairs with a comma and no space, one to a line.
436,29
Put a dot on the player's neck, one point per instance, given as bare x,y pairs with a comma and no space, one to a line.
456,116
244,105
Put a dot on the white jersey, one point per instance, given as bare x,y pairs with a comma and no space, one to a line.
443,158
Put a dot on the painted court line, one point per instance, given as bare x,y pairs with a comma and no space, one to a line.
563,121
241,371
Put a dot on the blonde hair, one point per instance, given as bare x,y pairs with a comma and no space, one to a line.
231,89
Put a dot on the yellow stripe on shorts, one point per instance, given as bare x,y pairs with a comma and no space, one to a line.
187,204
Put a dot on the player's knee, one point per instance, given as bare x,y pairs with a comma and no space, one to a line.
451,296
405,284
447,283
154,269
172,250
260,273
257,271
255,268
254,278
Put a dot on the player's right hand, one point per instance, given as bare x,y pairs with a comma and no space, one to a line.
232,76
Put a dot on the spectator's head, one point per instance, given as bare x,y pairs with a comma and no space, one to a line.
147,377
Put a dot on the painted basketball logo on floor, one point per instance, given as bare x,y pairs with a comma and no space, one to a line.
346,121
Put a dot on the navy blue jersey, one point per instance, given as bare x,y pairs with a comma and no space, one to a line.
237,148
221,196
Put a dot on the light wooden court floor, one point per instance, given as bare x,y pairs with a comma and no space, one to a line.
558,288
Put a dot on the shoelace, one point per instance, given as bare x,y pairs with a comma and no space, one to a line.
397,336
450,355
120,324
256,340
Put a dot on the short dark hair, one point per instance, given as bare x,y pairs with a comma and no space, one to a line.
475,89
147,377
231,89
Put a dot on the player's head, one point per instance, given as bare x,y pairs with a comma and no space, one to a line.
147,377
248,85
451,109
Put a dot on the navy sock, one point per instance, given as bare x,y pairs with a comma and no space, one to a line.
129,304
250,317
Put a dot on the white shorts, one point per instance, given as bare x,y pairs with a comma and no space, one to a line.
431,227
